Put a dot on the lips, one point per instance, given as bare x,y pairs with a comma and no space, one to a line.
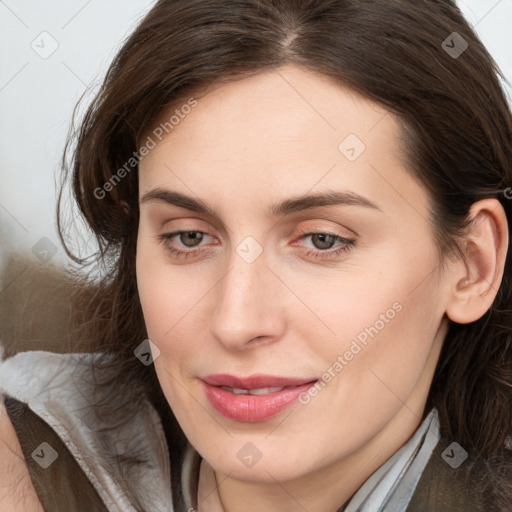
254,381
258,391
253,399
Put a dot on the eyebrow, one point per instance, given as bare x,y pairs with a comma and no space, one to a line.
286,207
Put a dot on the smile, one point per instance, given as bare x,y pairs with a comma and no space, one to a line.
254,402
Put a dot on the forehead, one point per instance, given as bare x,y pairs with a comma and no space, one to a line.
281,132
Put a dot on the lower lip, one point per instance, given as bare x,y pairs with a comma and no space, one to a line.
253,408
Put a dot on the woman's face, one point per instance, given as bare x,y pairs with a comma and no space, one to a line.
274,280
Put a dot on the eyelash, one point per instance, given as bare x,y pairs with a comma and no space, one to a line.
317,254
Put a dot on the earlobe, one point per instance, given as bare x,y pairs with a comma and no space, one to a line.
479,274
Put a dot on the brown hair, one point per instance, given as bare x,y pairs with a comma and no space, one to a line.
457,135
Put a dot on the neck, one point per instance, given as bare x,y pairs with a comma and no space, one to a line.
327,489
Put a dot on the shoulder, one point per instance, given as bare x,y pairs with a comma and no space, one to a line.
120,446
455,479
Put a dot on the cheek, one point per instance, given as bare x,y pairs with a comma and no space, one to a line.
156,290
387,348
378,298
383,320
170,300
159,298
162,308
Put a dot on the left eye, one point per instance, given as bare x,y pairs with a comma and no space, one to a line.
345,245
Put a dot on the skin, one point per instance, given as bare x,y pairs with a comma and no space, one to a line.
246,145
17,493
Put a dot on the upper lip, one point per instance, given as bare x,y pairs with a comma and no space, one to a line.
254,381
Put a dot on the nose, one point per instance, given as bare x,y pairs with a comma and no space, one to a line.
250,307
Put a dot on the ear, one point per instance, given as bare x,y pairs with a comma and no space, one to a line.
478,278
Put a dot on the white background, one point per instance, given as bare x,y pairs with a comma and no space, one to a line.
37,95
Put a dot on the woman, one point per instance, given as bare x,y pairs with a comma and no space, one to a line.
302,211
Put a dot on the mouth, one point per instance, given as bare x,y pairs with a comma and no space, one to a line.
253,399
257,391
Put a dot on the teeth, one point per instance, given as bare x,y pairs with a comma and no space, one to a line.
237,391
264,391
259,391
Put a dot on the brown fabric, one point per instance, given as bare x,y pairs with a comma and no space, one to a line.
466,488
63,486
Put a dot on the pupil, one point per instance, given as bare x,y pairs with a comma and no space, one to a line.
194,235
323,236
